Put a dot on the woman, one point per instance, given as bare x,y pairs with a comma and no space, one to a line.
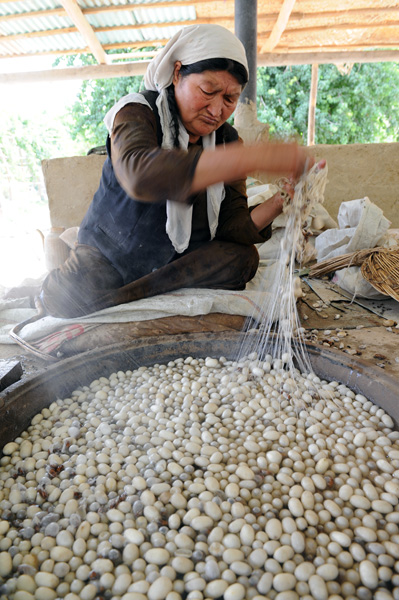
171,208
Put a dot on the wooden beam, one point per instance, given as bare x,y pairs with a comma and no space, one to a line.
346,26
310,58
365,46
279,26
72,73
312,105
132,55
120,46
139,67
74,12
354,13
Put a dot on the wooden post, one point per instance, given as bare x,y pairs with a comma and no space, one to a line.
312,105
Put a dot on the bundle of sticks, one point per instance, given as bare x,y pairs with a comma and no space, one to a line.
379,266
352,259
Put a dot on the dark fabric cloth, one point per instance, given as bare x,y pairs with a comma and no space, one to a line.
85,275
87,282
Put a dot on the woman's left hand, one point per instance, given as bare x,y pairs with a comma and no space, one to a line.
286,191
287,186
263,214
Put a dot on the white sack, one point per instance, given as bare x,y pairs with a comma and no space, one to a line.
362,225
352,280
270,250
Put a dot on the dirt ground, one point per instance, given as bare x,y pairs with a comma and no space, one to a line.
352,329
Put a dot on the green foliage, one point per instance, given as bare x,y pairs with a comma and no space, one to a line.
362,106
359,107
94,100
356,108
283,95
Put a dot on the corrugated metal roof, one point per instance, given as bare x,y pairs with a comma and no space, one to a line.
110,26
113,19
48,45
165,15
29,25
33,27
11,8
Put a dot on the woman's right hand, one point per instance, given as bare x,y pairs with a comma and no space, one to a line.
287,158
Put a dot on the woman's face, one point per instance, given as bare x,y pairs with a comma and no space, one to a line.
205,100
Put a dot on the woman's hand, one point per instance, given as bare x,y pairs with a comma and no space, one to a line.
263,214
287,184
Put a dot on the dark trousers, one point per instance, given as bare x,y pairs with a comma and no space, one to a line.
87,281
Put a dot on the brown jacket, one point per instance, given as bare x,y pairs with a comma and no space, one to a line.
130,233
146,170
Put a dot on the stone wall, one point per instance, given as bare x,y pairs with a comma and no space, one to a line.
355,171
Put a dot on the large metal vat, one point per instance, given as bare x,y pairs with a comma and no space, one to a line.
20,402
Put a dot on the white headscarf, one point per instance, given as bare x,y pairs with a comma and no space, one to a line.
189,45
